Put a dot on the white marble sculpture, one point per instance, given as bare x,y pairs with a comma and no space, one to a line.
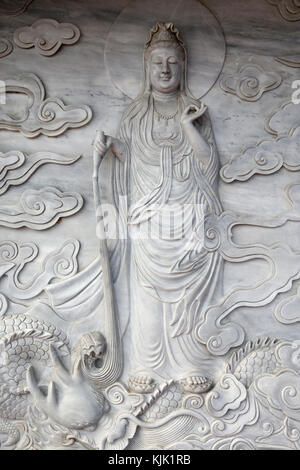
171,321
166,163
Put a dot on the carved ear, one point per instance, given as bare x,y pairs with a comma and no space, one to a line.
60,369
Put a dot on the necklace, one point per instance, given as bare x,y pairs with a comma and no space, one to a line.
164,116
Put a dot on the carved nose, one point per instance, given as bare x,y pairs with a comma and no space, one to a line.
165,69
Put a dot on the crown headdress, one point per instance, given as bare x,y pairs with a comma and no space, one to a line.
164,32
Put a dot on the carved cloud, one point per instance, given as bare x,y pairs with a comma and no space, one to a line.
49,117
46,36
59,264
265,158
289,9
6,47
250,82
281,392
228,394
285,120
16,167
40,209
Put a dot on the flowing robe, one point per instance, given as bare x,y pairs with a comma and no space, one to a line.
162,195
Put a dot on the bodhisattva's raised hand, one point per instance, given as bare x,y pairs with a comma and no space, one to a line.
197,142
102,144
192,113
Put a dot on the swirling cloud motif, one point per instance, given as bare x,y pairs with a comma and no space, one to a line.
59,264
265,158
280,393
285,120
46,36
250,82
49,117
288,310
40,209
24,4
288,9
232,406
16,167
228,394
234,443
6,47
288,355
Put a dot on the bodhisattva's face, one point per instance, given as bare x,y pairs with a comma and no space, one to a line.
165,69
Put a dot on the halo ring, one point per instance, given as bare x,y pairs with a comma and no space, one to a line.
200,30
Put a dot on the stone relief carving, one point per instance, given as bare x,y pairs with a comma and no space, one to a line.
14,257
9,11
6,47
266,157
50,117
284,121
250,82
123,59
60,388
290,61
39,209
288,9
287,311
153,125
254,384
16,167
47,36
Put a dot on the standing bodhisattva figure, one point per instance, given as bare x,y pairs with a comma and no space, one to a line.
166,166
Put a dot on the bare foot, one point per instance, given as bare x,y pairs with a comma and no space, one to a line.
196,384
141,384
